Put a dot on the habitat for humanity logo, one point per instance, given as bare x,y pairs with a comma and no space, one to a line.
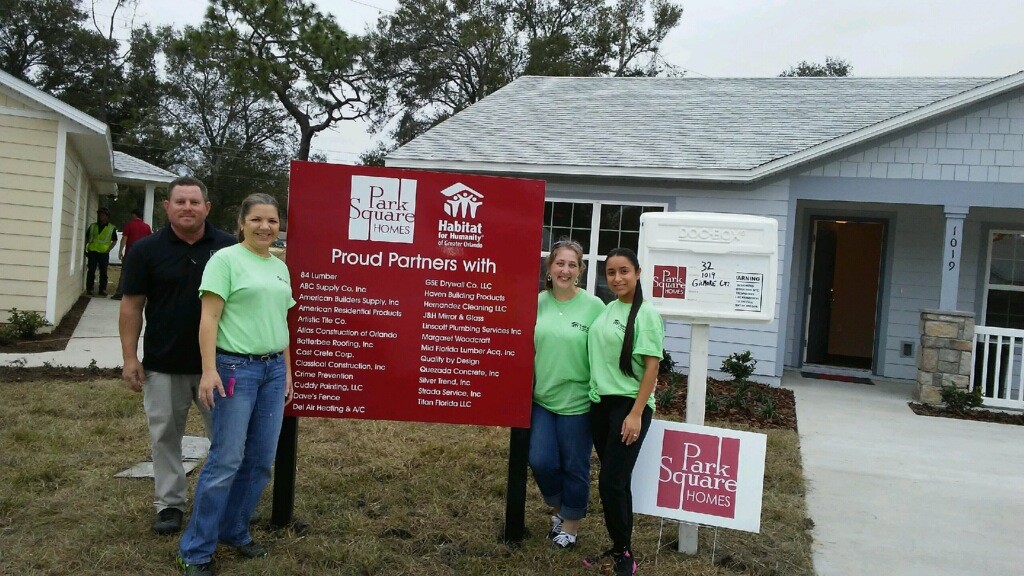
461,204
382,209
699,473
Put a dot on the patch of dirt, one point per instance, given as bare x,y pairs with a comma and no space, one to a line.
975,414
56,340
753,404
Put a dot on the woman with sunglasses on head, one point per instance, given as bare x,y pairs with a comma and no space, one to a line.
625,347
560,439
246,382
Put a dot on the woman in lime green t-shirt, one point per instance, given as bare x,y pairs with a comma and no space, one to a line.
625,347
560,443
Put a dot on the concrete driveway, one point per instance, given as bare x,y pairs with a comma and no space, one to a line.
893,493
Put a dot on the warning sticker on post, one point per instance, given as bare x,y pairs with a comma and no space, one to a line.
749,291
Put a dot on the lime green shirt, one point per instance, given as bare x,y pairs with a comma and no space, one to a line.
560,365
257,294
605,344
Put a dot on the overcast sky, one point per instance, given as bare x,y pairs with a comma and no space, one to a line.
730,38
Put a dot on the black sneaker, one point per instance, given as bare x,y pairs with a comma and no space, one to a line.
251,550
602,563
195,569
102,293
168,521
115,297
625,564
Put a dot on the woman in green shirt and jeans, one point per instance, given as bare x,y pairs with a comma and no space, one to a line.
560,443
625,347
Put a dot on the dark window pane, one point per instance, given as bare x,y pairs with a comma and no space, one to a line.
583,237
611,216
560,234
583,274
606,241
631,217
545,240
548,209
630,240
543,275
653,209
1016,304
562,215
1000,272
602,290
582,216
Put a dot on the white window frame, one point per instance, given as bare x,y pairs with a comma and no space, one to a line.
988,271
592,257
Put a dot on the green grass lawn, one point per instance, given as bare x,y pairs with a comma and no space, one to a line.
380,498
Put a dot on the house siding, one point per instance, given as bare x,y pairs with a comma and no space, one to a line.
69,284
27,157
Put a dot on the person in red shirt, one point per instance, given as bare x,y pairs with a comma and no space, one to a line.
135,230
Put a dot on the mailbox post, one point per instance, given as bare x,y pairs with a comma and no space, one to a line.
707,268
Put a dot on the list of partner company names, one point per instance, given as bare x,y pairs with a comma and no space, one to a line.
345,337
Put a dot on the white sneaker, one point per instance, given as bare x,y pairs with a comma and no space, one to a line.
564,540
556,526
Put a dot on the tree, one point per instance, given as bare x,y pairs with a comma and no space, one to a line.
832,67
230,137
290,49
433,58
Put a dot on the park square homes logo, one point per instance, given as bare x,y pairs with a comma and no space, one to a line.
699,473
669,282
460,231
382,209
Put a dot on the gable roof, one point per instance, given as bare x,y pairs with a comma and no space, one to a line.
719,129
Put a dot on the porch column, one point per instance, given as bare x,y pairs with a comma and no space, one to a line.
147,210
952,248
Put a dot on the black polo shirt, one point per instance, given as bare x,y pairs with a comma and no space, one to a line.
167,271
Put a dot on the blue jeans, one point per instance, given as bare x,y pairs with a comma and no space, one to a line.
560,458
242,449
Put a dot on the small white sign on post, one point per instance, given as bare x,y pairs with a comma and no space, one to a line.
700,474
706,267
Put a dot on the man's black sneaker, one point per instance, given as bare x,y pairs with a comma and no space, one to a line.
101,293
115,297
168,521
251,550
195,569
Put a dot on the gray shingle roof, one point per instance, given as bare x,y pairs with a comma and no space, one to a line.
674,123
126,164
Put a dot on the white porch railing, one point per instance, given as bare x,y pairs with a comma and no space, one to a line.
997,369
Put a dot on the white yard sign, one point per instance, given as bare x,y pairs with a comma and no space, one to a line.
701,474
704,266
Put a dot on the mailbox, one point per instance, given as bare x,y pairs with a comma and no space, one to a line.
708,267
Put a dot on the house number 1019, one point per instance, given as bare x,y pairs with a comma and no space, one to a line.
951,265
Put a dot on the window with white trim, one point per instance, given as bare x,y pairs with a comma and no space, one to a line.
1004,281
598,227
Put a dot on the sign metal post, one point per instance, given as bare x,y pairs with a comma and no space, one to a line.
696,392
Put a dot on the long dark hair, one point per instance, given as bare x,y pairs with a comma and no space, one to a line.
626,354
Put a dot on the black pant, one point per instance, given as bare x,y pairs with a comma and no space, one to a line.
617,461
97,260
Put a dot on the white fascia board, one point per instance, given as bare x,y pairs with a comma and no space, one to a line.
723,175
52,272
32,93
123,177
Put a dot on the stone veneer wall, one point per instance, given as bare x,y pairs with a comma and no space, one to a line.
947,338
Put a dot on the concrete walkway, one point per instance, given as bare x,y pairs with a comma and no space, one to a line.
95,338
893,493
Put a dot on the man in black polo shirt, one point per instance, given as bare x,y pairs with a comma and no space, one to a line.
161,277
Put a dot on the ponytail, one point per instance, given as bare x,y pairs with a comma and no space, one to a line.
626,354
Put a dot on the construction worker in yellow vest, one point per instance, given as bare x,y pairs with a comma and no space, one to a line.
100,239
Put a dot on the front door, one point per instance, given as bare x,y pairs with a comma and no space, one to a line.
846,265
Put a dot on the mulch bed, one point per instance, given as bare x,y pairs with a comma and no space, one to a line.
782,416
56,340
977,415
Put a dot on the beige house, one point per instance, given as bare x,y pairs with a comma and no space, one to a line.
56,165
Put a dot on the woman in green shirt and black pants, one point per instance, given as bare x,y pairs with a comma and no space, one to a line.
625,347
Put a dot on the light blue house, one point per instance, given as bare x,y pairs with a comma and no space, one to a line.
893,195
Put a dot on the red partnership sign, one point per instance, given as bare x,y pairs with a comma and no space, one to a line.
416,294
699,473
